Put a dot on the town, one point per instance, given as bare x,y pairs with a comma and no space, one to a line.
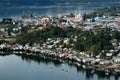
74,36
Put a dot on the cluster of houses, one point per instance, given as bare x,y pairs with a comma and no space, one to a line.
60,20
9,32
64,21
116,45
60,53
59,44
73,20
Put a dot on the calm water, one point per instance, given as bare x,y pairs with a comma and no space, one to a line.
14,67
18,10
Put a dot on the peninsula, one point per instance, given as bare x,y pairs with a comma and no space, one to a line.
92,39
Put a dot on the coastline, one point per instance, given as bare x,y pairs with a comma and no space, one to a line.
68,40
77,61
105,65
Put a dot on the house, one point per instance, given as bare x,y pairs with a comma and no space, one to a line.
101,19
45,20
117,60
60,15
66,41
85,60
50,46
42,28
3,46
81,53
78,18
117,19
108,54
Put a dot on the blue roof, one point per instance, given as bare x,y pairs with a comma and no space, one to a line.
100,19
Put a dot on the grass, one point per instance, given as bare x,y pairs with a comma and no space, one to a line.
2,25
10,40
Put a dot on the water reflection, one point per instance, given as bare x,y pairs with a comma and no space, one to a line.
90,74
38,59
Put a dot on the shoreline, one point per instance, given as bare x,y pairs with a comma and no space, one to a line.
71,44
108,69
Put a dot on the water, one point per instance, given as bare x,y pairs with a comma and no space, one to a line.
14,67
18,10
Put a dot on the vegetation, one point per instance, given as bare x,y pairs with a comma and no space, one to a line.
7,20
100,12
7,25
90,41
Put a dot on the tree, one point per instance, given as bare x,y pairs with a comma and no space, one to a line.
79,46
116,35
95,49
7,20
9,32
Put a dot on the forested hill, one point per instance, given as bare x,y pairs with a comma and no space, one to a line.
85,1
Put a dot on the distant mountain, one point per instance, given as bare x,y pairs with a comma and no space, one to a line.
84,1
26,2
49,2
